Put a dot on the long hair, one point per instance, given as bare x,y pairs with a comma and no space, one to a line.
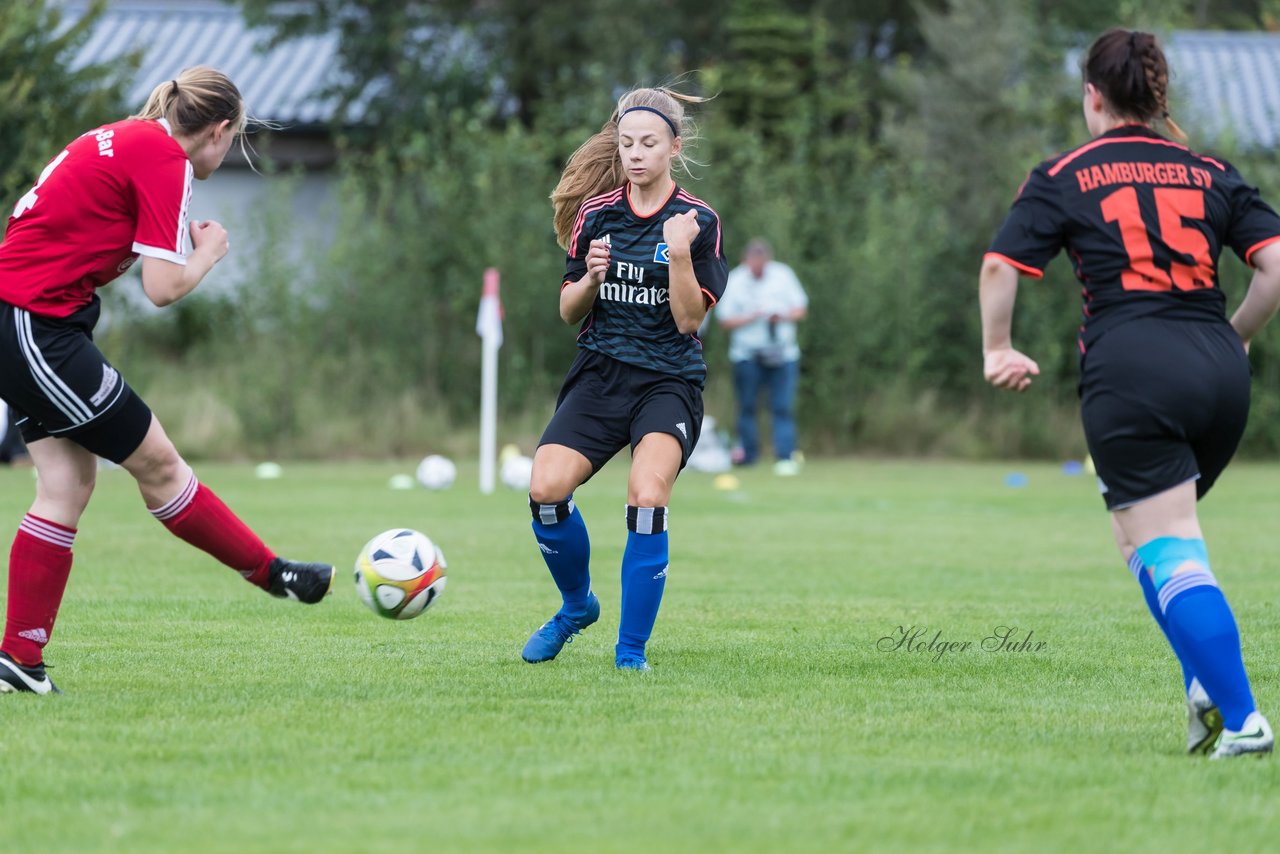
198,97
1130,70
596,167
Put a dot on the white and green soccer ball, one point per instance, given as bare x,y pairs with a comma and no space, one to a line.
400,573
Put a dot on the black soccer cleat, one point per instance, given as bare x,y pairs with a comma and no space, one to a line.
302,582
17,678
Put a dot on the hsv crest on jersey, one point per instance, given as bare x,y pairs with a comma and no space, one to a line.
661,254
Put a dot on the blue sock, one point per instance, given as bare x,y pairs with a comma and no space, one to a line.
1202,621
1201,624
644,576
562,538
1153,605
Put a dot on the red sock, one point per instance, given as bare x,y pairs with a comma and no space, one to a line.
199,517
39,564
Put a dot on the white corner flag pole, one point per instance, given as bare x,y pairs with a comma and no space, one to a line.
489,328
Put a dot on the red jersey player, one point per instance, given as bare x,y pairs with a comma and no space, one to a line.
115,194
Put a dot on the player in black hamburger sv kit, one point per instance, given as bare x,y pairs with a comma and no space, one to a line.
645,263
1164,384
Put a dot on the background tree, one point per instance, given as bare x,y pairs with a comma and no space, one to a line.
876,144
44,103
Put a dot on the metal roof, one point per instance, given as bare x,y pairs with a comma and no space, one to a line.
281,84
1226,85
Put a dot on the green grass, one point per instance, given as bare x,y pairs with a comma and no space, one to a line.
202,715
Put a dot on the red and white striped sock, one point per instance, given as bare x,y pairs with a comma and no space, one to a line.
39,564
199,517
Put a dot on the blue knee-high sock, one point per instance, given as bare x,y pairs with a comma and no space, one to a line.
644,576
1153,605
1201,623
562,538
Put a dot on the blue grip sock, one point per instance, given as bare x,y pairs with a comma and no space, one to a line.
1201,622
562,538
1153,605
644,577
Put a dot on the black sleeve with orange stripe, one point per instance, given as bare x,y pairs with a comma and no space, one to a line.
1033,232
709,264
575,262
1254,223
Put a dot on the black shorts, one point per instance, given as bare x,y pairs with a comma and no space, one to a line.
57,383
1163,402
604,405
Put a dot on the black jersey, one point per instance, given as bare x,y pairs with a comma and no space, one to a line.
631,319
1143,219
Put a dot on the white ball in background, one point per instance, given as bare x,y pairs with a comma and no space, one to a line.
436,472
400,481
268,471
516,473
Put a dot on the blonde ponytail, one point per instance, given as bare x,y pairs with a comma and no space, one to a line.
196,98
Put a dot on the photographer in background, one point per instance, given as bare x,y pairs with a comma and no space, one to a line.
762,303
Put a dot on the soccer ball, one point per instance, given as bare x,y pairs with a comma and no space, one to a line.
400,573
436,472
516,473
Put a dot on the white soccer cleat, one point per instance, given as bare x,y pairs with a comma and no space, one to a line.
1204,721
1254,738
19,679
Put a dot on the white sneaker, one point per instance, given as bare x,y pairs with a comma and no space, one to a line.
1254,737
1204,721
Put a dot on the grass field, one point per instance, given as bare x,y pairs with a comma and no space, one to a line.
202,715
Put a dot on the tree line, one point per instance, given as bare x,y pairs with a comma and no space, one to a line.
877,145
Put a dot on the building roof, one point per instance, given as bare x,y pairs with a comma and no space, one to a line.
283,84
1226,85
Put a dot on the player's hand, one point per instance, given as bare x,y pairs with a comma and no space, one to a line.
209,236
680,230
597,261
1007,368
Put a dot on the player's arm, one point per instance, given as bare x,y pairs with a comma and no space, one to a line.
165,282
1003,366
1263,297
576,298
688,305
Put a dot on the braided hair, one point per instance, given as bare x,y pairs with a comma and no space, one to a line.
1129,68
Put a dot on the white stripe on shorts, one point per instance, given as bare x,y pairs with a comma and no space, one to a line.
59,394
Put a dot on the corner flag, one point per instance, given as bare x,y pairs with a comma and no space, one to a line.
489,328
489,318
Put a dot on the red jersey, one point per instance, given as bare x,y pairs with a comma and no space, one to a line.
115,193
